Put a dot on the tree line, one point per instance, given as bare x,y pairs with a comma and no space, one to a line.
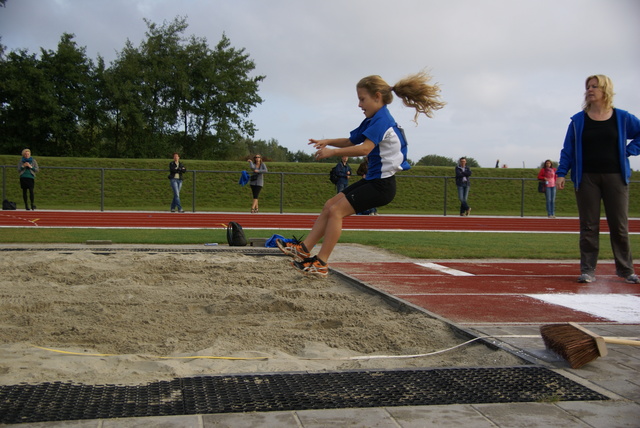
171,93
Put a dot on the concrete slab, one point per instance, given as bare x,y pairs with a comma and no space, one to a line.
454,416
250,420
604,414
528,415
365,418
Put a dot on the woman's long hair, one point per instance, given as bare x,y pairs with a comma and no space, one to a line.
414,91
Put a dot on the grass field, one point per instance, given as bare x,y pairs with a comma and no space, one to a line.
142,184
429,245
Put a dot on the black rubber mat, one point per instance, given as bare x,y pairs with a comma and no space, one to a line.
60,401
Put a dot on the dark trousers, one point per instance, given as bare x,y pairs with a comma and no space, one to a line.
27,184
614,194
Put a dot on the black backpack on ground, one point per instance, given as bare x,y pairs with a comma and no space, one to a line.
8,205
333,175
235,235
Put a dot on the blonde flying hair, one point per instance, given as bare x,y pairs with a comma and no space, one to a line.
413,90
604,83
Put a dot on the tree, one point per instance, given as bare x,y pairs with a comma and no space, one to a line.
223,96
168,94
436,160
173,95
25,104
68,73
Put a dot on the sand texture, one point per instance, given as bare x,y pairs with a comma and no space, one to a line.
132,317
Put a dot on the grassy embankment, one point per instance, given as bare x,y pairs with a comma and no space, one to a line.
420,191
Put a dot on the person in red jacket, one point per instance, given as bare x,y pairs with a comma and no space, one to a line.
548,175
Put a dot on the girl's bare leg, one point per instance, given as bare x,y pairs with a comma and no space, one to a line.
329,225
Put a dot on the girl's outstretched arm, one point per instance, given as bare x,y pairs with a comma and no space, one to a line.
335,142
358,150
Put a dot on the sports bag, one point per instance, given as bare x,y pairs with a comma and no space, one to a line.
541,186
8,205
235,235
333,175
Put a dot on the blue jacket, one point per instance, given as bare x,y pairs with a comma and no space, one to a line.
571,153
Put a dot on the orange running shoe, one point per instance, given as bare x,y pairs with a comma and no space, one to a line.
312,266
293,249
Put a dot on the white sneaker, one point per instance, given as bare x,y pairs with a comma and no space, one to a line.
585,278
632,279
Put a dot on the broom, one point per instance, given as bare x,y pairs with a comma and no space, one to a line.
578,345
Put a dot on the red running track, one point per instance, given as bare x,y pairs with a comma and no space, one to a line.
479,292
137,219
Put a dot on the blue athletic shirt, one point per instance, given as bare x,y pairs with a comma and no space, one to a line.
390,153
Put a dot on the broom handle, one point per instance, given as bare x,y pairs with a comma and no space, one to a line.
618,341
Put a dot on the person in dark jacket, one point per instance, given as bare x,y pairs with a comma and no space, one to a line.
462,182
27,168
344,172
176,169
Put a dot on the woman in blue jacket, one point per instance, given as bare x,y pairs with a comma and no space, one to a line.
596,151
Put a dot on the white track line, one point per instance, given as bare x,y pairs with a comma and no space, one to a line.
444,269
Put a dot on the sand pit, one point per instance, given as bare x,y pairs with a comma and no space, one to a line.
160,315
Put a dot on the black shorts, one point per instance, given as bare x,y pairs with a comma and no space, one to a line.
256,191
366,194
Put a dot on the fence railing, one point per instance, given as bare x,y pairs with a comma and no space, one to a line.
209,190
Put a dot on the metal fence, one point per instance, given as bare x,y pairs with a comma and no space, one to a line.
209,190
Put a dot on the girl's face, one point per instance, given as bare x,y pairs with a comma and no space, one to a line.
369,104
547,164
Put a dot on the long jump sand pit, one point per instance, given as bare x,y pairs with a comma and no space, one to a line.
133,317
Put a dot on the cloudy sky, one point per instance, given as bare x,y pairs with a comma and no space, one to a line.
511,71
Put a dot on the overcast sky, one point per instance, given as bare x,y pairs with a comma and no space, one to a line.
511,71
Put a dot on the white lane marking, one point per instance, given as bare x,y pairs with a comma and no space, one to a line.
445,269
624,308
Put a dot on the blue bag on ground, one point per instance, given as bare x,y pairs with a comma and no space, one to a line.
271,242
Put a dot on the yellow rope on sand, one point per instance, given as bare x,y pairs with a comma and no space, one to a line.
191,357
363,357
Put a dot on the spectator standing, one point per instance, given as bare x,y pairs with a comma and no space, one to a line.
27,168
462,182
596,151
256,180
176,169
548,175
344,172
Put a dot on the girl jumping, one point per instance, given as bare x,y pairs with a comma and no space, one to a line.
383,142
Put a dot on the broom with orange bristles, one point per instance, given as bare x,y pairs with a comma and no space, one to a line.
578,345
